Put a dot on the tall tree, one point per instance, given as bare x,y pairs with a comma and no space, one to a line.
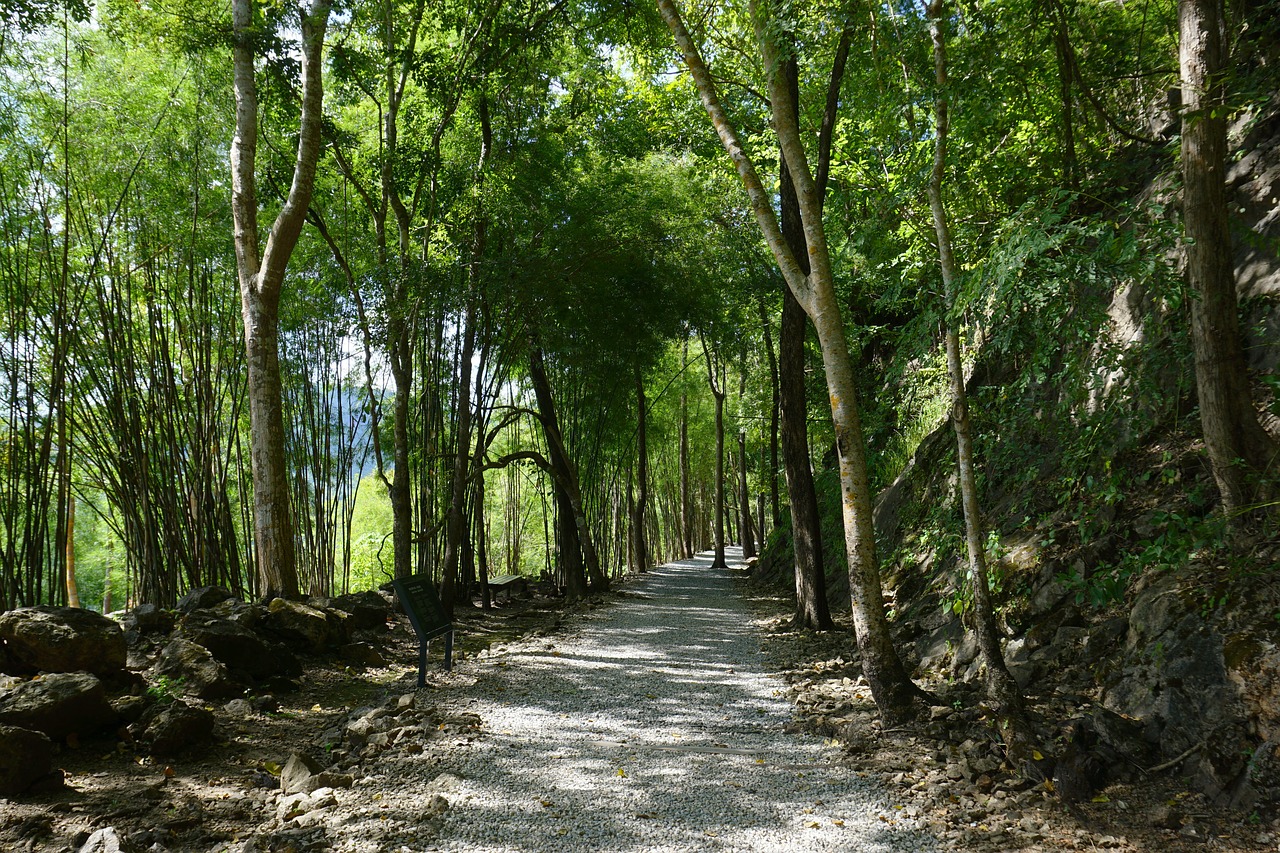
261,272
812,609
715,379
1240,451
1003,690
640,547
895,694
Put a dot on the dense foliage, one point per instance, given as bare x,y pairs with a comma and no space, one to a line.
516,189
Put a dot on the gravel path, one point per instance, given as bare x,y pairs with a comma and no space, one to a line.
649,726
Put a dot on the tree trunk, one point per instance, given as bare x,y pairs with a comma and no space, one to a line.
744,500
456,521
640,545
262,277
106,581
894,693
1240,452
813,611
1001,687
775,503
568,499
73,590
717,392
686,494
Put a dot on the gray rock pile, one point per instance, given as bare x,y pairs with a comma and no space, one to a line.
68,674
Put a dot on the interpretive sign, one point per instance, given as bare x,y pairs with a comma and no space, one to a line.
421,603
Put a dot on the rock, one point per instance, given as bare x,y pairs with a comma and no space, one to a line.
363,654
312,839
239,708
130,708
174,728
1166,817
109,840
239,649
26,757
436,804
58,704
265,704
368,610
298,775
242,613
966,653
146,619
7,663
63,639
332,779
194,671
203,598
306,627
1175,680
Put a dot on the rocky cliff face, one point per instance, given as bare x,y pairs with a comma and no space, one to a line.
1136,599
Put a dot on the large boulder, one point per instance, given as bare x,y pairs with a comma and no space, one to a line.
173,728
26,757
190,668
368,610
63,639
203,598
308,628
58,704
146,619
7,663
242,613
240,650
1175,679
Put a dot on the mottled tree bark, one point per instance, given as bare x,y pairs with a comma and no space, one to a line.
746,526
1240,451
686,493
1001,687
571,512
775,417
640,545
261,277
717,392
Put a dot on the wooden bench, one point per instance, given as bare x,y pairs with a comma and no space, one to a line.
507,583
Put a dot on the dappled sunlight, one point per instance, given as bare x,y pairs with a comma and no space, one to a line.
651,721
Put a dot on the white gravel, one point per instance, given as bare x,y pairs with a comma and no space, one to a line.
649,726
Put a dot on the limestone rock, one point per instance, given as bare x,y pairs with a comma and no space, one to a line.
25,757
7,663
298,775
63,639
146,619
307,627
363,654
130,708
202,598
368,610
174,728
199,674
109,840
242,613
239,649
58,704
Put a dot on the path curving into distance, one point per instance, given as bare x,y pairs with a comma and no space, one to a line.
648,726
